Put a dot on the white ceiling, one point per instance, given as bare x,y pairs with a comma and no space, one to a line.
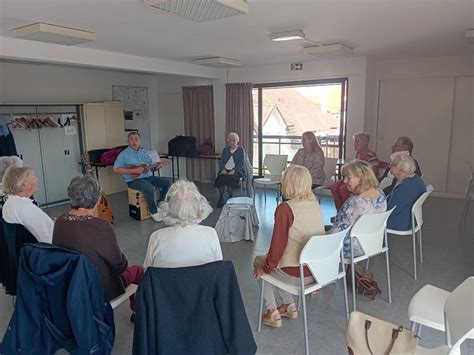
379,28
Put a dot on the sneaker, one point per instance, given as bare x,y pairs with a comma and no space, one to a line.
289,311
272,319
156,217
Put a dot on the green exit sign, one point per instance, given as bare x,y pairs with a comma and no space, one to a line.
296,66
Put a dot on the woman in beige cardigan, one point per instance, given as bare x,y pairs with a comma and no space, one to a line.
296,220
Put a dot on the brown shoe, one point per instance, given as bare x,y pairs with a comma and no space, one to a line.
272,319
288,310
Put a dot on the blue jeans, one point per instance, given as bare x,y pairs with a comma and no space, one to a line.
147,186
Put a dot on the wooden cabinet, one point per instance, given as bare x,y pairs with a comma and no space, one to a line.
104,128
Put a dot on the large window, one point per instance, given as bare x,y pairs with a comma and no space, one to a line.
284,111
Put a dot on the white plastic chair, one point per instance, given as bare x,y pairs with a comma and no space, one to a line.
322,254
370,231
416,224
426,308
130,290
469,192
459,320
275,164
330,165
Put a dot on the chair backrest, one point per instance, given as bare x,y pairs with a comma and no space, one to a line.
322,255
459,313
275,164
330,165
370,231
417,208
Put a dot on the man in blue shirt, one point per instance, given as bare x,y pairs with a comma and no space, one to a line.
135,166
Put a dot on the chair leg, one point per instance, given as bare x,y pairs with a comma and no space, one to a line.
414,252
418,330
305,320
388,278
346,301
299,303
265,193
421,246
413,326
260,309
367,264
354,307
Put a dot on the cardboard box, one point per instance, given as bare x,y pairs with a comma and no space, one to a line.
137,206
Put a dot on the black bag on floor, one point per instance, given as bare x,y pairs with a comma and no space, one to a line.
183,145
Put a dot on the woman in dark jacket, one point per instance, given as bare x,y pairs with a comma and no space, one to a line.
408,189
231,168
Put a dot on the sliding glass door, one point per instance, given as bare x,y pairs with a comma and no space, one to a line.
284,111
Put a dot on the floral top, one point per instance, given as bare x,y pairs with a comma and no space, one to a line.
350,211
314,162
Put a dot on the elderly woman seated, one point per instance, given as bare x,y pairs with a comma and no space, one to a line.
184,242
339,190
80,231
296,220
366,198
20,183
231,168
408,189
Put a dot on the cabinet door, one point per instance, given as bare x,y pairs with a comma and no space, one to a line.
114,125
53,156
28,148
422,110
94,127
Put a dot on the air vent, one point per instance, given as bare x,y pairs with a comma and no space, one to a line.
328,50
45,32
218,62
201,10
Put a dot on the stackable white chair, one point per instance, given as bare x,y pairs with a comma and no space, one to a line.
130,290
370,231
322,254
469,193
330,165
426,308
458,318
275,164
416,224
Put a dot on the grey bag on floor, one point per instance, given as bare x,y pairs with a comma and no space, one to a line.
367,335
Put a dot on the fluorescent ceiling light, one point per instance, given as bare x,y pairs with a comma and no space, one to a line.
327,49
218,62
45,32
201,10
287,35
469,33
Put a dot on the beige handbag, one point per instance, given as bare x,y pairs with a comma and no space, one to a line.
367,335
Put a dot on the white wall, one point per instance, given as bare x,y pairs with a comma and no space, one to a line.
352,68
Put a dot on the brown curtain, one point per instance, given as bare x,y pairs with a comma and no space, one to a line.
239,114
198,103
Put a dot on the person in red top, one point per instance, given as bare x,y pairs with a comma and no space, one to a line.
339,190
296,220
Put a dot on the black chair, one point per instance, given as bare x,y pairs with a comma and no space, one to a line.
12,238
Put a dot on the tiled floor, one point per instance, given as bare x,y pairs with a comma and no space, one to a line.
448,260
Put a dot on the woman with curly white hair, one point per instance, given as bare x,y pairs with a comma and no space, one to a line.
184,242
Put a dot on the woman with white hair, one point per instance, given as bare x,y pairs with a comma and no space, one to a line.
231,168
20,183
184,242
5,163
408,189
